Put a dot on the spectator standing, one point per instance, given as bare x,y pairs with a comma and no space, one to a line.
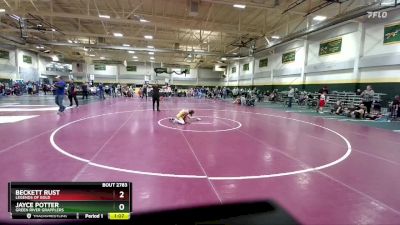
2,89
101,92
72,94
30,88
114,90
290,96
144,92
44,88
107,90
224,92
367,97
60,92
394,107
119,88
156,96
322,102
85,91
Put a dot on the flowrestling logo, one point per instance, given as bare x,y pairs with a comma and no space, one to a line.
379,15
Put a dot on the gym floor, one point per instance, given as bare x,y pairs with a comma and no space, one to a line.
321,171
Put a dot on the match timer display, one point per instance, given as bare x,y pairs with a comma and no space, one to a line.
70,200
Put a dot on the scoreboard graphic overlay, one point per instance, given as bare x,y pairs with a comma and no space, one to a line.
70,200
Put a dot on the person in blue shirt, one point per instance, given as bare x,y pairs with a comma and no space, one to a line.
60,92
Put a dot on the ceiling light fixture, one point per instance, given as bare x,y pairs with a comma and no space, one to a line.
55,58
52,29
148,37
150,46
319,18
152,58
240,6
118,35
104,16
136,60
223,58
144,21
102,57
275,37
388,2
126,45
151,53
69,41
131,52
2,10
15,17
135,57
91,55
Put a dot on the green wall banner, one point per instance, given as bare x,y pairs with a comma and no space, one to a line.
99,67
27,59
246,67
160,70
187,70
107,62
131,68
289,57
4,54
233,69
263,62
330,47
391,33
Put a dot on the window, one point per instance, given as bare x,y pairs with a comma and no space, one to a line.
289,57
246,67
4,54
263,62
234,69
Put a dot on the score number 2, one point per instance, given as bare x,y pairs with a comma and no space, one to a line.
121,196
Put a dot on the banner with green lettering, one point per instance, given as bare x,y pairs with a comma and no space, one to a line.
391,33
27,59
131,68
263,62
289,57
161,70
186,70
330,47
99,67
4,54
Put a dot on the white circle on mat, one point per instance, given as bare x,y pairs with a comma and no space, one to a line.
238,125
62,151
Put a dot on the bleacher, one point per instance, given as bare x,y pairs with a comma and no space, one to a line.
348,99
